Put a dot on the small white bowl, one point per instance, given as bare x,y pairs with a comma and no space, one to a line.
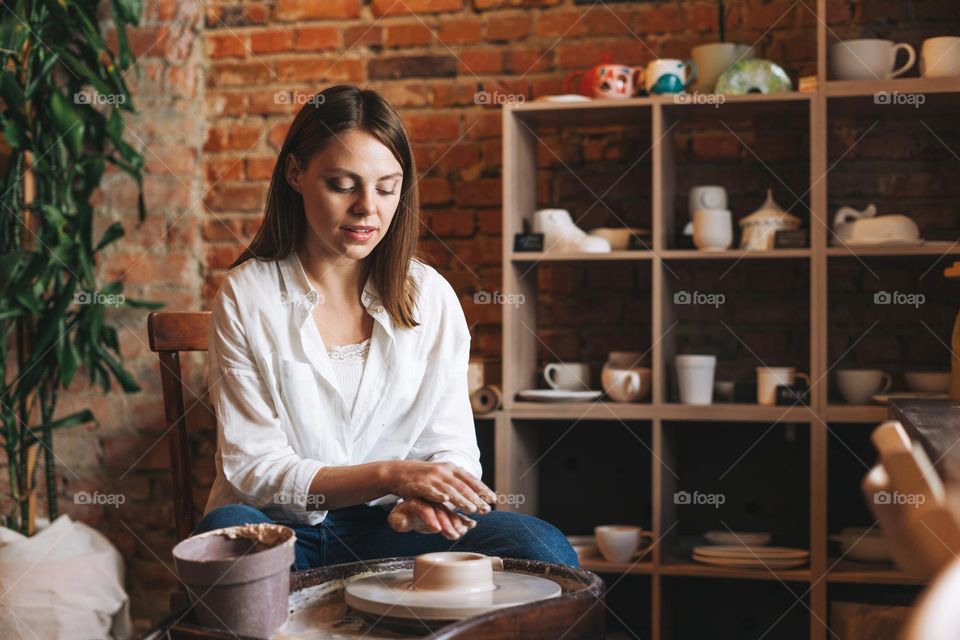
619,542
619,237
929,381
857,545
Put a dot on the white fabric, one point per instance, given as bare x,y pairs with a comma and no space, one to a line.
280,415
66,581
347,361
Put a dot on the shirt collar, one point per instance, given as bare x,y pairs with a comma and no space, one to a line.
296,288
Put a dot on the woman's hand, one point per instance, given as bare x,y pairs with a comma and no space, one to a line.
441,482
421,516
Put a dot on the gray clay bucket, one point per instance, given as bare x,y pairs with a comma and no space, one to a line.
241,584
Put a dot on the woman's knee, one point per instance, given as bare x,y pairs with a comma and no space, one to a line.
231,515
528,537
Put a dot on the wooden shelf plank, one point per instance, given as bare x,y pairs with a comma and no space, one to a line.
732,254
542,256
680,567
599,565
867,88
926,249
856,413
867,573
647,411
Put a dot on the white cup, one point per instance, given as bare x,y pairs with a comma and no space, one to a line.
858,386
618,542
712,229
695,378
567,376
940,57
712,60
684,71
868,59
706,196
769,378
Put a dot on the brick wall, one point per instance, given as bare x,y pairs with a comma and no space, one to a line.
207,84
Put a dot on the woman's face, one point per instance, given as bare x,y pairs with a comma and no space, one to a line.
350,191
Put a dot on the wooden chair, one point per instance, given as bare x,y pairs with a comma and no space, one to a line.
171,332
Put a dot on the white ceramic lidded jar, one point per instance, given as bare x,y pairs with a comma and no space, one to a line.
760,227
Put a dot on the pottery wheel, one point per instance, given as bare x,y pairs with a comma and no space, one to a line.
391,595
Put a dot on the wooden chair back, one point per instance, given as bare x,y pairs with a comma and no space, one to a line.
170,333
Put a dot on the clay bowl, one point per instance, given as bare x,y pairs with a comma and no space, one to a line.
458,571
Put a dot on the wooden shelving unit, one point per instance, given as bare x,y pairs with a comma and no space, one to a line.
520,424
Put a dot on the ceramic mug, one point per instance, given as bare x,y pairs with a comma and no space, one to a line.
669,75
695,378
567,376
618,542
858,386
712,229
769,378
712,60
869,59
605,81
706,196
625,385
940,57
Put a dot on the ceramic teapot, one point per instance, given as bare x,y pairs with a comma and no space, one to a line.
760,227
853,227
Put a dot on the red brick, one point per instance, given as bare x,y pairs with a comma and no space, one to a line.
483,192
290,10
222,230
481,5
278,132
260,168
462,31
395,7
410,34
660,18
362,35
316,38
428,66
508,27
481,60
222,103
271,41
221,256
225,45
434,190
314,70
560,23
483,124
432,126
236,197
148,267
225,74
457,95
529,60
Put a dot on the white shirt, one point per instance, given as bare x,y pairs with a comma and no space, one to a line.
347,362
280,415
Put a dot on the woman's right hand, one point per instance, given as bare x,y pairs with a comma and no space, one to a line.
441,482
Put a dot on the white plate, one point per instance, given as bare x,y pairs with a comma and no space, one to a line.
558,395
737,563
884,398
751,538
751,553
565,97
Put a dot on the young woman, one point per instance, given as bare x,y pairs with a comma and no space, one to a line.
338,362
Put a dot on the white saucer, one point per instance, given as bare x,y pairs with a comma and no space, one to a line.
739,551
884,398
390,595
751,538
744,563
565,97
558,395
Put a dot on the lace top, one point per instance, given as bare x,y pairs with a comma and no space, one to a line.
347,361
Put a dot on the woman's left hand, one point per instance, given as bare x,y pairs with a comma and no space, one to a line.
415,514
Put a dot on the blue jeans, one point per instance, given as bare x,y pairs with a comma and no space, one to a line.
362,533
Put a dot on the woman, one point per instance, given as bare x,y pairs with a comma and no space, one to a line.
338,362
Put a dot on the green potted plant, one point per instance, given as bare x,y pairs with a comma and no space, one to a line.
64,99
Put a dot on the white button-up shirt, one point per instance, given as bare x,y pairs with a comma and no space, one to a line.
280,415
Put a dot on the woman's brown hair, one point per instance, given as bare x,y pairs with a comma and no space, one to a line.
332,111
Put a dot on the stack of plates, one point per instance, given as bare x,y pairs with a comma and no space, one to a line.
752,538
746,557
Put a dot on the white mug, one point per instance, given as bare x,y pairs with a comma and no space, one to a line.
568,376
712,229
940,57
618,542
695,378
656,77
769,378
706,196
858,386
712,60
869,59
